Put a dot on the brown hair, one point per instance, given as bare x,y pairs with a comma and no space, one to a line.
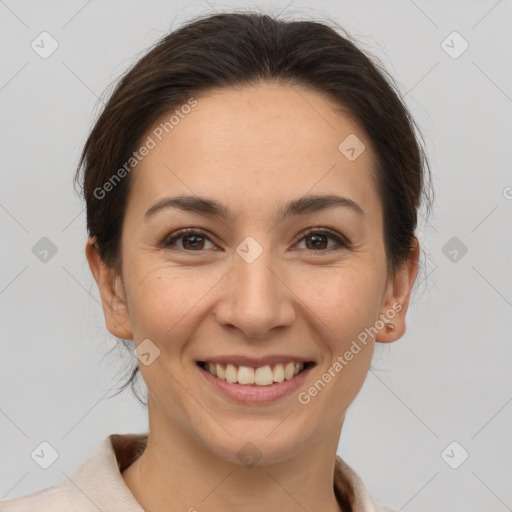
242,48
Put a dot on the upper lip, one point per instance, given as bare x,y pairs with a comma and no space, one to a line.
256,362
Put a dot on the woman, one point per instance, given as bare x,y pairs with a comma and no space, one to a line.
252,189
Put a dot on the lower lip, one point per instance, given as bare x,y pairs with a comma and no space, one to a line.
256,394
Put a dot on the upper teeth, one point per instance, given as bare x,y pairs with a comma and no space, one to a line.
262,376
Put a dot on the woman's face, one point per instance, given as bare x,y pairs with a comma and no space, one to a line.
254,283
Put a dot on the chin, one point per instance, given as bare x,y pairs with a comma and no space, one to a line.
257,445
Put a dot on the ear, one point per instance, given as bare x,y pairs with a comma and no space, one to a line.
396,299
112,293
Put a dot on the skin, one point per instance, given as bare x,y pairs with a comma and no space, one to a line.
253,149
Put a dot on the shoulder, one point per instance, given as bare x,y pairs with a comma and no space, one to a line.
381,508
351,491
96,485
52,499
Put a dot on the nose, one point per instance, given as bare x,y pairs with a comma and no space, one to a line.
256,299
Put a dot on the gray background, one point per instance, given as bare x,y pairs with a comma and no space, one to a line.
446,380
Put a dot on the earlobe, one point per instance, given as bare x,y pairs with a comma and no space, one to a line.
397,299
112,293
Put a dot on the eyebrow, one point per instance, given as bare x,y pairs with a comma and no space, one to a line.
213,208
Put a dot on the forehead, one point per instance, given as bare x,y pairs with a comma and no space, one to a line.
255,144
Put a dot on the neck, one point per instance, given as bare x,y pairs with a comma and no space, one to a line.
176,473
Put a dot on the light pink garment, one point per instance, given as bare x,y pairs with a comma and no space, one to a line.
97,485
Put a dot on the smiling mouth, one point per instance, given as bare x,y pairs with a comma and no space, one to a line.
261,376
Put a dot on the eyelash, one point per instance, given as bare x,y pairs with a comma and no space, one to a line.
341,241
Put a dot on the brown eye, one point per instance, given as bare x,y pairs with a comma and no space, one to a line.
192,240
319,240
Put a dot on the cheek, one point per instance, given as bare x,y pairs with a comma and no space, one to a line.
344,300
346,308
346,305
163,299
